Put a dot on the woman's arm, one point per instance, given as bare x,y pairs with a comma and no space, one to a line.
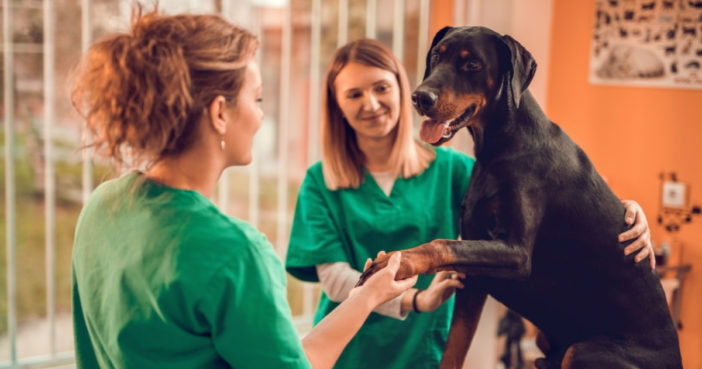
639,231
337,280
324,344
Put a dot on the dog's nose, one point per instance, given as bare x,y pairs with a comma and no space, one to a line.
424,101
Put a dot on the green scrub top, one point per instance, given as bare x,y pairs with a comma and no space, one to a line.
352,225
163,279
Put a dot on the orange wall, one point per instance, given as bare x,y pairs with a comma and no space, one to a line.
632,134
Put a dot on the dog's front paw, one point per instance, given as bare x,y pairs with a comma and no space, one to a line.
405,269
379,263
364,277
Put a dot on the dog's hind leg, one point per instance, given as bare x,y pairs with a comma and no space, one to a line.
466,313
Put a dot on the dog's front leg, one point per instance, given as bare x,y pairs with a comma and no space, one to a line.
492,258
466,313
427,258
506,253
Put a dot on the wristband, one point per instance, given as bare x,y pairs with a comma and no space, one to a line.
414,301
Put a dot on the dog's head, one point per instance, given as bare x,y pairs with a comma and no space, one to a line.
468,69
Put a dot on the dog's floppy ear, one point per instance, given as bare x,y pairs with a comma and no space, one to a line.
438,37
520,67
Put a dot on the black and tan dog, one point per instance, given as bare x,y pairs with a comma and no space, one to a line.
539,226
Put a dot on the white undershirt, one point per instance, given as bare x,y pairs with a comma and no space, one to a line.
338,279
385,180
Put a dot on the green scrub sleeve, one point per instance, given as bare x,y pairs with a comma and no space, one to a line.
315,238
249,314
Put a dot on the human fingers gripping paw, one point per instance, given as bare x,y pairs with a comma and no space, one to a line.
371,268
405,284
441,276
393,262
448,286
454,283
384,282
449,274
398,268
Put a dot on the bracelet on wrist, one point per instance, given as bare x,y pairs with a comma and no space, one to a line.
414,301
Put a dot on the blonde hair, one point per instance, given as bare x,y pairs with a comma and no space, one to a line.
143,93
342,159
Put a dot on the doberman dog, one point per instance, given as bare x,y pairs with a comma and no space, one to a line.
539,227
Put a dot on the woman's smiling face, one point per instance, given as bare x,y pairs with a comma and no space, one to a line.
369,98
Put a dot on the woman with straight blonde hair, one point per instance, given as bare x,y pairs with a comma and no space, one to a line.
162,278
342,158
377,188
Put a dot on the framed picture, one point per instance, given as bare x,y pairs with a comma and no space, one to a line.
656,43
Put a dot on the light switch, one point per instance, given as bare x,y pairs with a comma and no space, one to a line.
673,195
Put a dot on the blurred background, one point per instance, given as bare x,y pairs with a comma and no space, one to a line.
641,139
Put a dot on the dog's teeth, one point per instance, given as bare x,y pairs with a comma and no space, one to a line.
447,130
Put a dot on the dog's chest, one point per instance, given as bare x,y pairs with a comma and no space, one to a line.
480,207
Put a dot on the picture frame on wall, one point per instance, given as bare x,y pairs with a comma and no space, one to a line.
653,43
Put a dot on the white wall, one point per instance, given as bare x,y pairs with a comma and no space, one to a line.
527,21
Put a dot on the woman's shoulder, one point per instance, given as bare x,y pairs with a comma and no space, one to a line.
448,157
223,232
314,178
114,187
449,153
217,241
315,171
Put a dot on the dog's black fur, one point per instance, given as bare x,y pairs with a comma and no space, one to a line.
540,226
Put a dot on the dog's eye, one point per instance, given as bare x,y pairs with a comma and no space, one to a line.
472,65
434,59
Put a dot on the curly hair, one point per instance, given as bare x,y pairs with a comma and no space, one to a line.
142,93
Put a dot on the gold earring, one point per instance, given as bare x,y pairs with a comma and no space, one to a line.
222,144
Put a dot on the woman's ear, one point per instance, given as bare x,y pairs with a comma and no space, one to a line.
218,115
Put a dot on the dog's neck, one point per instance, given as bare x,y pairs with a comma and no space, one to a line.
492,136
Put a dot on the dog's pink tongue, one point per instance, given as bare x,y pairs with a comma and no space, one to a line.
431,131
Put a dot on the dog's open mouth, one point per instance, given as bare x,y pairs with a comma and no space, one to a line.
436,132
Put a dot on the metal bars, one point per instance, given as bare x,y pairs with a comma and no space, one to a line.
49,180
283,127
398,29
85,40
10,196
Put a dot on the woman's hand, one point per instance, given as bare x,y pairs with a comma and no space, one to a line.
639,231
441,288
382,286
325,342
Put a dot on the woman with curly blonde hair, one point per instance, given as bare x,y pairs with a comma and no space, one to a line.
161,278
